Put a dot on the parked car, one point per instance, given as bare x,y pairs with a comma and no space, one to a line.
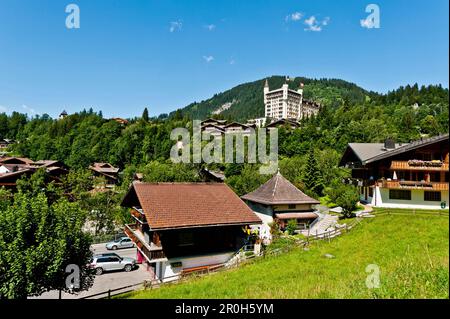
103,263
108,255
122,242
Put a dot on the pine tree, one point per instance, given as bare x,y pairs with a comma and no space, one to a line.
313,178
145,115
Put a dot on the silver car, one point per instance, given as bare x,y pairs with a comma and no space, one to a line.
106,262
122,242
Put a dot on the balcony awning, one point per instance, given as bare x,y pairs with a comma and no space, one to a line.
296,215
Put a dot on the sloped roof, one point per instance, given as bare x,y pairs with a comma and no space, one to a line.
236,124
410,146
178,205
371,152
291,122
365,151
104,168
278,190
221,129
16,160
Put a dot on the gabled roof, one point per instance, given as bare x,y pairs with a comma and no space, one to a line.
214,126
372,152
290,122
187,205
409,147
16,160
365,151
278,190
214,120
236,124
104,168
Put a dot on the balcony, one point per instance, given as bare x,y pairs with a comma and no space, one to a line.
150,251
138,215
419,165
433,186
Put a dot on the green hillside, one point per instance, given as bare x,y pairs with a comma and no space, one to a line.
410,249
247,99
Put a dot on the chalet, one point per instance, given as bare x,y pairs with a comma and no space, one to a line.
13,168
212,176
106,170
235,127
183,227
218,123
287,123
54,168
213,129
279,200
411,175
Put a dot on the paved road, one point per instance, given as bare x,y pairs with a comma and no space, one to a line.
108,280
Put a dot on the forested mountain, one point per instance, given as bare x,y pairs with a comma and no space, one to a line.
349,114
245,101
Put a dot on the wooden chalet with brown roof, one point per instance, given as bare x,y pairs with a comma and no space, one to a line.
279,200
401,175
287,123
183,226
13,168
106,170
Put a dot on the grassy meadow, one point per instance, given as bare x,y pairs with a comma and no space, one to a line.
411,251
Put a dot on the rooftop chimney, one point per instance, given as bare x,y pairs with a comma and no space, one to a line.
389,144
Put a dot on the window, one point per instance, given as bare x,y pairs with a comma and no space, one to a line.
292,206
432,196
400,194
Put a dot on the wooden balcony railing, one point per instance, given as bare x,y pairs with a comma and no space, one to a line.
151,253
434,186
140,217
419,165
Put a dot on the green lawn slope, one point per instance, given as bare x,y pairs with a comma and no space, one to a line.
411,251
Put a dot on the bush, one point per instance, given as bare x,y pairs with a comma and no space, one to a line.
348,200
291,226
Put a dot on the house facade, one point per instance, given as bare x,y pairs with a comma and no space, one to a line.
13,168
279,200
284,103
107,171
185,227
411,175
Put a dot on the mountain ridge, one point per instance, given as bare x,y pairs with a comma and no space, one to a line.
245,101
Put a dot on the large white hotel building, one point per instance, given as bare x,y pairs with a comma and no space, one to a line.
284,103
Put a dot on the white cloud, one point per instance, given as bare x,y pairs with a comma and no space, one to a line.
296,16
210,27
3,109
28,109
175,26
208,58
316,25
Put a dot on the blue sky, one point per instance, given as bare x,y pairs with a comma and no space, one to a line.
130,54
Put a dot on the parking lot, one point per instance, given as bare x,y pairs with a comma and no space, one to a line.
108,280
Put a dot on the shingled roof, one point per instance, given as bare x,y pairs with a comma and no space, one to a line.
178,205
278,190
371,152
